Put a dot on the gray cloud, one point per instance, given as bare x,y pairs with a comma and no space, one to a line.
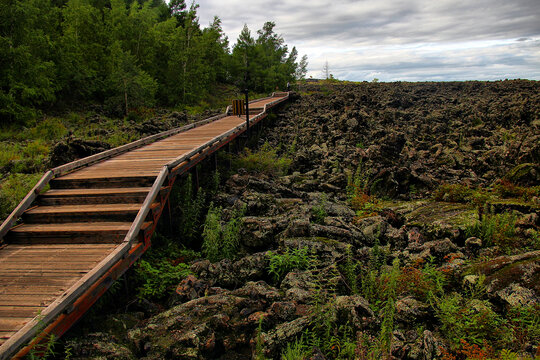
399,40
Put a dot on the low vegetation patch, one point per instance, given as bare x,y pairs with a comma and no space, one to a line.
360,200
13,189
496,229
163,267
265,160
506,189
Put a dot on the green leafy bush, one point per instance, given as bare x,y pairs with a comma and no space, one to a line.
189,210
20,158
164,265
350,271
390,280
318,211
525,324
506,189
49,129
425,283
296,350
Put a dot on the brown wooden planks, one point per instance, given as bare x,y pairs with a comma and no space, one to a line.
103,208
32,276
19,311
86,228
26,300
13,323
96,192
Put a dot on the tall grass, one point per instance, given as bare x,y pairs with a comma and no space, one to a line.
13,189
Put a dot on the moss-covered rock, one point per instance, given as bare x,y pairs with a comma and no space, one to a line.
524,174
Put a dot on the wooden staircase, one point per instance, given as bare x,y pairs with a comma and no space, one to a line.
66,243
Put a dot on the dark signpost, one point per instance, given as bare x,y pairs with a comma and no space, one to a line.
247,108
246,92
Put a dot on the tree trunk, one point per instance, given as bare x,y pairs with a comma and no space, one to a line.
125,95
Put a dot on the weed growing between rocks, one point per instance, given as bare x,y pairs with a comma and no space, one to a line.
358,194
319,212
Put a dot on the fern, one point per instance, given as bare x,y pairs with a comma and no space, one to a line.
212,234
159,279
281,264
221,240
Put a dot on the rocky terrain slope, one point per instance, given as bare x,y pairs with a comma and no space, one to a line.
390,220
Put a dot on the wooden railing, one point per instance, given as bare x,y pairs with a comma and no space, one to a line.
31,329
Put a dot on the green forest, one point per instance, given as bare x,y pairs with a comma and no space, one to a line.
125,54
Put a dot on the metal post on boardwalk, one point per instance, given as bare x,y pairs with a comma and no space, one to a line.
246,92
247,109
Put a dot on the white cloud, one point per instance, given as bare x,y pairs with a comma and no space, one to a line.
398,40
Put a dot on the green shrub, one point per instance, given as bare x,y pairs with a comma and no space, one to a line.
390,280
164,265
212,234
372,275
9,153
49,129
36,149
231,236
281,264
425,283
506,189
119,139
296,350
265,160
350,271
188,211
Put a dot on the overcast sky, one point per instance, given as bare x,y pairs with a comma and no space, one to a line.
412,40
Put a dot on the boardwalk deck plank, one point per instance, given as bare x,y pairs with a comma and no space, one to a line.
53,249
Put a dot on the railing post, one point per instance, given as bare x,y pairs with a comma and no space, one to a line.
246,91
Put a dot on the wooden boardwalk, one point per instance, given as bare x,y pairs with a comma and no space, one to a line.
96,219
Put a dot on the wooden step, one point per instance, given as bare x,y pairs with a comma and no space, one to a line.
69,233
102,182
133,195
81,213
255,111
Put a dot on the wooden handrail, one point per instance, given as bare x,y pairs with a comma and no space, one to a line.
31,329
63,169
25,203
145,208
